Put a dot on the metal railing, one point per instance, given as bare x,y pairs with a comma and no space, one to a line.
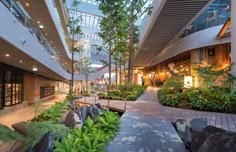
17,9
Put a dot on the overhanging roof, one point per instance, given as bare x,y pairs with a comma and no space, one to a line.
172,18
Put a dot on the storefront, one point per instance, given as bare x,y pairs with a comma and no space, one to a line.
11,86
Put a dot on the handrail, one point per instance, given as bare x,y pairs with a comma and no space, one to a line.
14,8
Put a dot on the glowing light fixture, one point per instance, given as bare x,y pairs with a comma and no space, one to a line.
35,69
7,55
27,4
188,81
41,26
171,65
21,61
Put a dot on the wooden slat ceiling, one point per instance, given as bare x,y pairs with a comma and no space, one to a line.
173,17
38,11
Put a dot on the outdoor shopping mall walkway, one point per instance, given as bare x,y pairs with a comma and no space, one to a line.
28,112
148,104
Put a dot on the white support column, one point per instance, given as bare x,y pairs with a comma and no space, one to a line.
233,35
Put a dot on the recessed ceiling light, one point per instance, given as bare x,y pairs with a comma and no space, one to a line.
41,26
7,55
27,4
38,22
35,69
21,61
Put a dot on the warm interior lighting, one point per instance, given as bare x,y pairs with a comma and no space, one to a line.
21,61
38,22
35,69
27,4
171,65
188,81
7,55
41,26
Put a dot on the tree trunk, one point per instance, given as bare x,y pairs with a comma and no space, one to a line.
109,82
72,63
120,74
86,83
116,69
131,46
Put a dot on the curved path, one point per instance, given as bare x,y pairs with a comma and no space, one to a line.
148,104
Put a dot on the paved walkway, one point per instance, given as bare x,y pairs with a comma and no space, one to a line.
28,112
148,104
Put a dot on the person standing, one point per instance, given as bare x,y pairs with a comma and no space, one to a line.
142,80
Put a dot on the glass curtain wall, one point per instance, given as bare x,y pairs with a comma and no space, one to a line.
216,14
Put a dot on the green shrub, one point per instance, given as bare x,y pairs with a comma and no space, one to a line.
217,98
54,113
93,136
131,95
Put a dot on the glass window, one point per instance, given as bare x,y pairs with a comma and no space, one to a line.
11,88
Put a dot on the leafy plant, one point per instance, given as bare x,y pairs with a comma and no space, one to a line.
7,135
214,94
37,130
130,95
53,114
93,136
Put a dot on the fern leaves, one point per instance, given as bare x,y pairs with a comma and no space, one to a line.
93,136
7,135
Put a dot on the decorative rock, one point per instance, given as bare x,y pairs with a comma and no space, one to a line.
213,140
72,120
183,130
93,111
46,144
83,110
20,127
99,106
197,125
62,120
227,145
202,136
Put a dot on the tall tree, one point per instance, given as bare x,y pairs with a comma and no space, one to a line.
109,24
75,29
85,69
136,9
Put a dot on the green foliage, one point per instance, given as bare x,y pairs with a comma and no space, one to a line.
174,84
217,98
93,136
214,94
37,130
53,114
209,76
114,31
130,95
7,135
69,97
